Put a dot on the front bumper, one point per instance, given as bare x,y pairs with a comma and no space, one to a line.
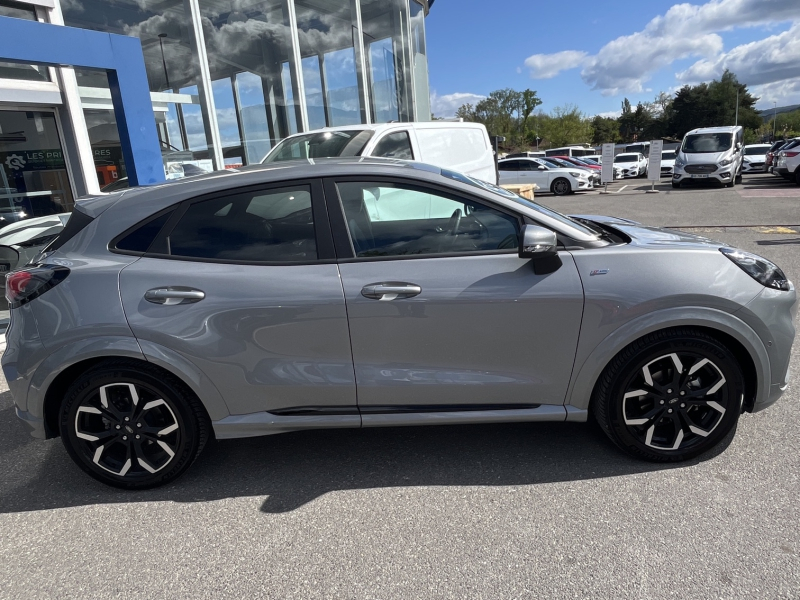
632,172
754,168
722,175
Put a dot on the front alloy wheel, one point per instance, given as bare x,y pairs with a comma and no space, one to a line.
131,427
561,187
670,396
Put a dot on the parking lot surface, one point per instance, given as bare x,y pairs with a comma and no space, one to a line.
501,511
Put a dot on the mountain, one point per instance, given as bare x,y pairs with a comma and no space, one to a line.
770,112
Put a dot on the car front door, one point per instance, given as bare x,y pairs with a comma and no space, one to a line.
244,286
529,173
442,311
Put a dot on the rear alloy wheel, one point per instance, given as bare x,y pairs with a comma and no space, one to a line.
561,187
670,396
132,426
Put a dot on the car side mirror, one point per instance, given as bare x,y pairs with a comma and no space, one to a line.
738,146
540,245
540,168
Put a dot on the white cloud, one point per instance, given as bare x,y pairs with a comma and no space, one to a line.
447,105
611,114
547,66
685,30
773,59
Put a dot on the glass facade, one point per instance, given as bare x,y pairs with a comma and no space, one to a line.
243,74
18,10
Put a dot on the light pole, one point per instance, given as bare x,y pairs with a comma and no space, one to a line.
161,37
774,119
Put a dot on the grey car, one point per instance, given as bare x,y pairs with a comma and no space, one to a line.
378,293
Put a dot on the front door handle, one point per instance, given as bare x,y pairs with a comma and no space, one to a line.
173,295
390,290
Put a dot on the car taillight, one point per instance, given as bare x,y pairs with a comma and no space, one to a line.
790,154
31,282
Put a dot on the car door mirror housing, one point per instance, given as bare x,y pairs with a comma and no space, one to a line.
537,242
541,168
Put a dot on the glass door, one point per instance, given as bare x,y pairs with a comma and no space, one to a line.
33,172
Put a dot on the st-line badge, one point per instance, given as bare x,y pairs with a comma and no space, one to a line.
599,272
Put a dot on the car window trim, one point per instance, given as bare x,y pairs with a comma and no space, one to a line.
341,232
393,132
326,253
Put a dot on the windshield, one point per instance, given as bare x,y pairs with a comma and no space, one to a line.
548,163
700,143
590,161
548,212
322,144
623,158
756,150
668,155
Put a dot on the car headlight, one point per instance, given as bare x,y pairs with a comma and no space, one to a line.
725,162
679,162
574,174
759,268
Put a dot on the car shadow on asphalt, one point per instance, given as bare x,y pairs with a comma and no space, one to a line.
293,469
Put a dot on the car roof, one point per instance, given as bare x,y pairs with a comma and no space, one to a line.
628,154
726,129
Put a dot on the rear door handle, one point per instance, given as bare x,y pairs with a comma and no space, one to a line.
173,295
390,290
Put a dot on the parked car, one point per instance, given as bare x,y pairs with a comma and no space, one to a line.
619,172
755,158
667,163
634,164
710,153
530,154
463,147
773,150
594,175
788,164
20,242
373,293
544,173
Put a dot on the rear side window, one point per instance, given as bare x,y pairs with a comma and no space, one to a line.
140,239
394,145
77,222
262,226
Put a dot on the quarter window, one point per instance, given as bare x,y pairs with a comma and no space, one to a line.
397,220
262,226
394,145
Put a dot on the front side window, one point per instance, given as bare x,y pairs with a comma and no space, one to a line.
509,165
396,220
263,226
394,145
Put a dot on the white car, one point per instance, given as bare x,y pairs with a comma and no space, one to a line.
788,162
634,164
667,163
755,158
545,174
619,172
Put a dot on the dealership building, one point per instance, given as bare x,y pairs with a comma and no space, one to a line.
227,80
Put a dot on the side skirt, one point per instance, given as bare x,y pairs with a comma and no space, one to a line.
296,419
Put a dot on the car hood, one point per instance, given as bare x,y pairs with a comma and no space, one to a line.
668,163
755,157
704,158
653,237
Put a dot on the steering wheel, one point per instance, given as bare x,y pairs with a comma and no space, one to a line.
454,223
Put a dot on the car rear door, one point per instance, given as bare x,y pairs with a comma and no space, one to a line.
245,286
442,311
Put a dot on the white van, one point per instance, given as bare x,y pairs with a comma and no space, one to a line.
710,153
462,147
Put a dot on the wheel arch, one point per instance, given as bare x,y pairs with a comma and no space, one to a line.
56,374
743,342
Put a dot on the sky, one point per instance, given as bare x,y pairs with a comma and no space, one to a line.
594,53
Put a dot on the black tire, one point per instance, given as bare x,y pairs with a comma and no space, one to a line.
738,178
797,177
676,185
675,423
561,187
146,442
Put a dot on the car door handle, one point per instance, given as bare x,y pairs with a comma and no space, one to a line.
390,290
173,295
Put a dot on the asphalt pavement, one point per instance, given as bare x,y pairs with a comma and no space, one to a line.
500,511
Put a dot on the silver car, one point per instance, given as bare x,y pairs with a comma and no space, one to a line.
374,293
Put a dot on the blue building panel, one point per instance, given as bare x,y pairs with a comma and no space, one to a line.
121,57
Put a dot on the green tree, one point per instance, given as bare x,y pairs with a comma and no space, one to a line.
566,126
505,113
605,130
